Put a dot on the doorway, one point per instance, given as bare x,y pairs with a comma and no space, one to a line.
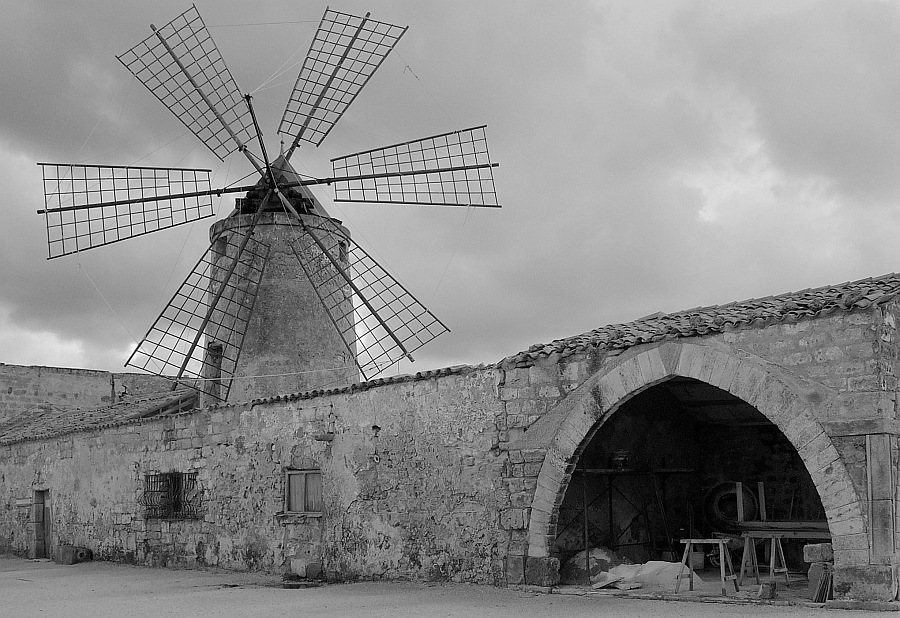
40,520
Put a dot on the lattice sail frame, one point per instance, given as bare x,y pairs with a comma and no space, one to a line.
451,169
175,345
181,65
73,227
343,55
208,103
384,322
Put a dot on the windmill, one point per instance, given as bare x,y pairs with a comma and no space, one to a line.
198,337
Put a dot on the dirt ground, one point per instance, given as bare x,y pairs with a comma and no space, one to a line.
102,589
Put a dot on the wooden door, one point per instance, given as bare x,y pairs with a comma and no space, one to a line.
41,523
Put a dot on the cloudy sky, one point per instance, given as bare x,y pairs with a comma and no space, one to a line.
654,156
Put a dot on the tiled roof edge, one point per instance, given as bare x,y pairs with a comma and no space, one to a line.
149,416
805,304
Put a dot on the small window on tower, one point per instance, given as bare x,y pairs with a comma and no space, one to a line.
213,369
303,491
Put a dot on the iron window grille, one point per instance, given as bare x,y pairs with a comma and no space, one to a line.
303,491
171,495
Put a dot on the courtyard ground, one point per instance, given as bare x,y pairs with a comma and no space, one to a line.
102,589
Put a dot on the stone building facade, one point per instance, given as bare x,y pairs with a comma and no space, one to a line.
480,474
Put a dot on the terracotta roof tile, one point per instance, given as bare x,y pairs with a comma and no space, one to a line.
811,302
47,420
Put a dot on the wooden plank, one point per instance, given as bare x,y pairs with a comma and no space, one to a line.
784,525
761,488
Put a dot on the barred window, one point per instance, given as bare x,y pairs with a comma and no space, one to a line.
171,495
303,491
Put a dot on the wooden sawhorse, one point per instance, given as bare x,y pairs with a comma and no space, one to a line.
777,563
724,560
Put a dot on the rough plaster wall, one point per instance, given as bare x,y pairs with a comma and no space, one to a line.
24,387
421,500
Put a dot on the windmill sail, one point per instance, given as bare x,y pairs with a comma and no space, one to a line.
384,323
198,335
88,206
197,339
344,54
181,65
451,169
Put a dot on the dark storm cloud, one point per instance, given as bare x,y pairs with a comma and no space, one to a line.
654,156
823,81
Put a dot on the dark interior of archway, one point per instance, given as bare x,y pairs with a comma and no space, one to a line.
664,467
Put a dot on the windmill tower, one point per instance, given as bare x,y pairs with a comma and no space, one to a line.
247,322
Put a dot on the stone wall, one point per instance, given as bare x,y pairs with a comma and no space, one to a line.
818,370
440,476
23,388
417,497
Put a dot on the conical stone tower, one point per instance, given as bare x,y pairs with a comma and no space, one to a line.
291,343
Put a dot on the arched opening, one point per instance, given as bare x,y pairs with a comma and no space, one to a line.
664,466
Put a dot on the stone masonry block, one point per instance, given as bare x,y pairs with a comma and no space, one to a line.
860,540
708,365
542,571
612,389
645,367
747,381
571,371
851,557
532,468
549,391
881,522
538,375
566,441
537,545
801,430
534,454
538,519
658,369
631,375
717,366
542,501
839,499
847,526
669,354
521,500
516,378
515,570
816,445
512,519
818,552
689,352
772,398
879,466
726,381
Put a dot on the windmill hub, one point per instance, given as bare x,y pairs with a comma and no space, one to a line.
288,182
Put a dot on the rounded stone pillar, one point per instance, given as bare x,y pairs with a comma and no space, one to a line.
291,344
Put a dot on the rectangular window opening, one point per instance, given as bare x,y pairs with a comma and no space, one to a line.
171,495
303,491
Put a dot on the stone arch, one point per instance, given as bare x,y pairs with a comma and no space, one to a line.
786,401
